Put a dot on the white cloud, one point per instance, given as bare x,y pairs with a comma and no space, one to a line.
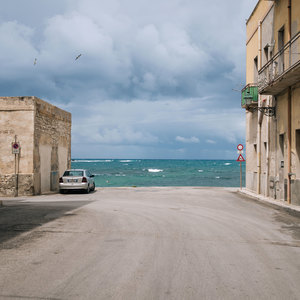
150,70
210,141
191,139
123,135
17,52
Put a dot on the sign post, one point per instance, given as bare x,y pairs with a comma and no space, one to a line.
240,148
15,149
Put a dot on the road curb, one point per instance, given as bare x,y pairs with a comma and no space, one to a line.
290,208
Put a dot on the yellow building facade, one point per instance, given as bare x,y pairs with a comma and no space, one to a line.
271,98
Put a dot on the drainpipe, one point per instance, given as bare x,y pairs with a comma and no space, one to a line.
290,19
289,150
260,118
267,151
289,127
290,29
260,115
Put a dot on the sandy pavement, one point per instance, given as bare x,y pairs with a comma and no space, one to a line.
148,243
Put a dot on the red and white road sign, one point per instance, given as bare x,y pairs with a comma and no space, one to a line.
240,147
15,148
240,158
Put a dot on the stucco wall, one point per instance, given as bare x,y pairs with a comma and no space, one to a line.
267,37
251,151
281,20
295,145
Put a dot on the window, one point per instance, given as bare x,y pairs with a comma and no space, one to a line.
73,173
266,54
280,46
281,143
255,73
266,148
281,38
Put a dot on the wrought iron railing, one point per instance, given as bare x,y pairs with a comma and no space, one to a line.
280,63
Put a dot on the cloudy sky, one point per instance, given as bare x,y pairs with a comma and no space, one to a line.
155,78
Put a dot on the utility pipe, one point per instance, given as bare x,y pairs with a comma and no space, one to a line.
268,152
289,150
258,156
289,111
260,115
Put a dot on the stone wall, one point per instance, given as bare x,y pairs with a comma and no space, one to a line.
52,138
7,185
16,119
44,134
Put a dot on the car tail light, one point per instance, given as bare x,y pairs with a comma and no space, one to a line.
61,180
84,179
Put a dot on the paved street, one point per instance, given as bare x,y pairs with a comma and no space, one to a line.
148,243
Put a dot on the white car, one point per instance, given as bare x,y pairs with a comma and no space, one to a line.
76,179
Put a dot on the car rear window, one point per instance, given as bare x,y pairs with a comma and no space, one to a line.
73,173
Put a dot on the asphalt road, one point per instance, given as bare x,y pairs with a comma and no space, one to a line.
148,243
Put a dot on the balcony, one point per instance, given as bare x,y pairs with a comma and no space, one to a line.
249,96
282,70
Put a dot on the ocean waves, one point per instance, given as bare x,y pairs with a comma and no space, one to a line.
147,172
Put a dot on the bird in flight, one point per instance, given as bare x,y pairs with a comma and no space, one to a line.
78,56
35,60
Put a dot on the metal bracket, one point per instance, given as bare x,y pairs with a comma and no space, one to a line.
267,111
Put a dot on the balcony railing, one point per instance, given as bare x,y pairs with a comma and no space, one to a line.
271,75
249,96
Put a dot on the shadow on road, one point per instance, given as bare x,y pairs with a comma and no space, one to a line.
17,217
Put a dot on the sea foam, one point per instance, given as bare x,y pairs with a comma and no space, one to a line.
91,161
155,170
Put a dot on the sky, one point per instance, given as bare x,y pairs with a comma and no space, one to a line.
156,79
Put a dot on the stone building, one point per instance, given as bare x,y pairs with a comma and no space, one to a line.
272,100
35,145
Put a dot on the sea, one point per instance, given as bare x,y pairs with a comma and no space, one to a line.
162,172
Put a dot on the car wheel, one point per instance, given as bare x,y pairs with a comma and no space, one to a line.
87,190
94,187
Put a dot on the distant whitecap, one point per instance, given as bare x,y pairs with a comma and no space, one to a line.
126,160
217,177
200,171
227,164
91,160
155,170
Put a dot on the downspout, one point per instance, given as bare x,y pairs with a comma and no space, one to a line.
260,118
289,150
267,151
289,129
260,115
